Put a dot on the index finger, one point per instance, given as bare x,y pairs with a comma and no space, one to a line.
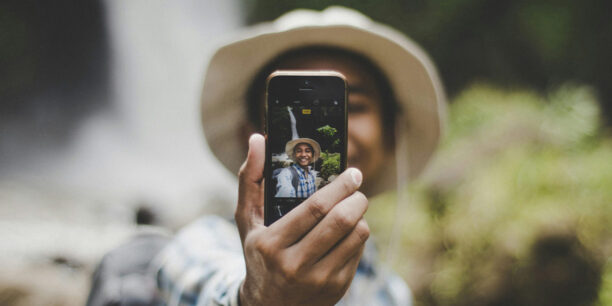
305,216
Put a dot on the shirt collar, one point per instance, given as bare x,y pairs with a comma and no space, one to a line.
300,170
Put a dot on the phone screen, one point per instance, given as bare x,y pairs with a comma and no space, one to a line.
306,126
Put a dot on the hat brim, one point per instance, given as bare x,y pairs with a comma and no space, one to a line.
294,142
412,75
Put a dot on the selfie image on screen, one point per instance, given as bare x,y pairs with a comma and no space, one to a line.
306,142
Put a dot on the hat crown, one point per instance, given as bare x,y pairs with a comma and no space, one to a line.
333,15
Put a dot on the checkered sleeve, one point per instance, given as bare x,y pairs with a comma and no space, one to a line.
376,285
203,265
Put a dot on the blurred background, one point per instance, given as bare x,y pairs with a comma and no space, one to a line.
100,137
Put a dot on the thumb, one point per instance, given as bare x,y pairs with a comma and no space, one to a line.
249,210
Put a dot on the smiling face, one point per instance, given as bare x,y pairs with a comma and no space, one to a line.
370,124
303,154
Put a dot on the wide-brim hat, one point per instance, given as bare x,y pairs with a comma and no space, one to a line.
294,142
411,74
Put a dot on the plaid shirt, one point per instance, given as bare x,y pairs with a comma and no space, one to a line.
204,265
306,185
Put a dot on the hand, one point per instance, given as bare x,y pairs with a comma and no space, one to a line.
309,256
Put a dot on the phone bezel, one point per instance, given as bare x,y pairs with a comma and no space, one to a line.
269,199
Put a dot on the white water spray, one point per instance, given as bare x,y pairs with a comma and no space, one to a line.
294,133
147,148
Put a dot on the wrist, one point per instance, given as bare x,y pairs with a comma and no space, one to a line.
245,295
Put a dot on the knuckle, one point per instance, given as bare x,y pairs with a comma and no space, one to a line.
359,196
290,271
343,222
263,246
316,207
362,230
258,244
359,202
341,284
319,280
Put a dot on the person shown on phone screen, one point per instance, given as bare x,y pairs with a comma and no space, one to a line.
298,180
317,253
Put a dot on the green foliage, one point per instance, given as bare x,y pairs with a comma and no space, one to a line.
330,165
327,131
522,186
531,43
328,138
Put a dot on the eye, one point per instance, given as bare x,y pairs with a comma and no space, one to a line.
357,108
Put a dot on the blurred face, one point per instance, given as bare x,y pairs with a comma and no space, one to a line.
303,154
366,149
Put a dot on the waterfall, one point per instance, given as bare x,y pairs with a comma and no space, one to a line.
159,54
147,147
294,133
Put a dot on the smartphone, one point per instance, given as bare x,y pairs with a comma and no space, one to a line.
306,136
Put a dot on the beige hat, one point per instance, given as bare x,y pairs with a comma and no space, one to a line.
411,74
294,142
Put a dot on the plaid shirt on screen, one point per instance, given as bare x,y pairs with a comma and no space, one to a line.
204,265
306,185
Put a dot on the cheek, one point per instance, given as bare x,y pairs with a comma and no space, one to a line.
364,138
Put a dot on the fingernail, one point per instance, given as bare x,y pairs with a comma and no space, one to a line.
251,138
357,177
